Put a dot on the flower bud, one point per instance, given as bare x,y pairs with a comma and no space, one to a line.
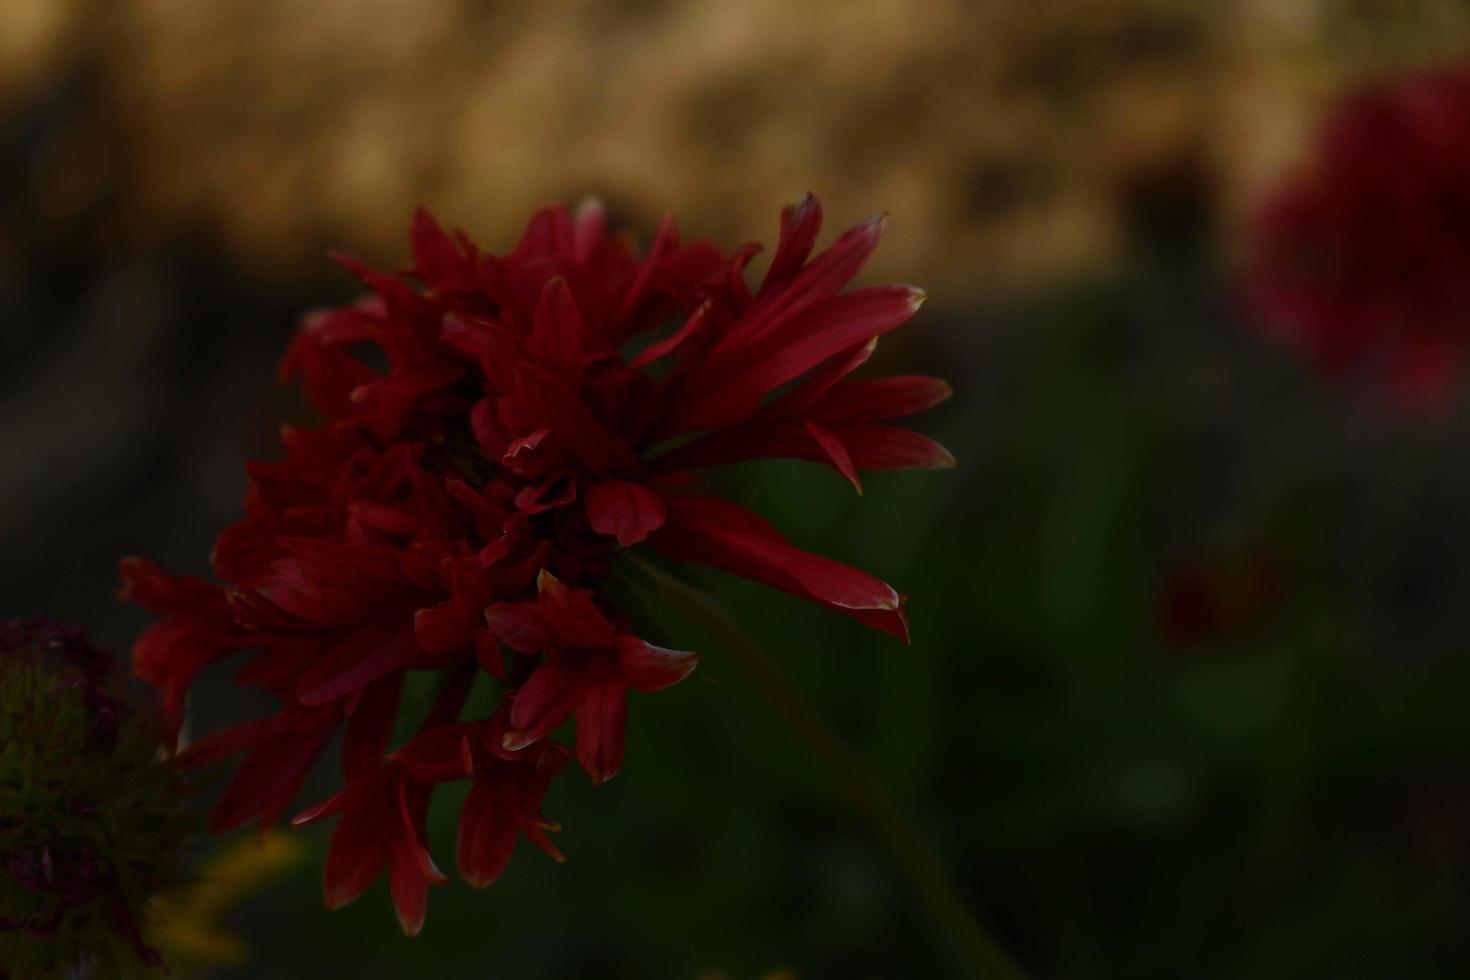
91,809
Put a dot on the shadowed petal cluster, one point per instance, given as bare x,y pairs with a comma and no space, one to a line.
497,428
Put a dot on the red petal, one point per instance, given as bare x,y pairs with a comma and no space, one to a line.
571,615
628,511
358,849
673,341
358,792
370,726
547,403
800,223
407,884
353,664
887,447
519,625
725,535
488,434
270,776
146,582
444,628
437,259
549,234
589,229
797,402
651,668
386,519
436,756
836,453
522,444
413,810
487,652
546,700
230,741
556,340
813,286
172,652
601,719
800,346
871,446
869,399
486,839
664,241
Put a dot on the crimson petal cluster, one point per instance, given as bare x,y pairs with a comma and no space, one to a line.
498,427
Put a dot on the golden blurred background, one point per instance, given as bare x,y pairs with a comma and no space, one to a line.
1002,136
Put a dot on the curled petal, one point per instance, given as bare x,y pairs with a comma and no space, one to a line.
627,511
800,223
716,532
651,668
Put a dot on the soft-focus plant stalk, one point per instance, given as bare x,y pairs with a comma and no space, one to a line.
981,953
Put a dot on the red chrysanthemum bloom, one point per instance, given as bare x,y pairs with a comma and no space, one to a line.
1362,260
459,510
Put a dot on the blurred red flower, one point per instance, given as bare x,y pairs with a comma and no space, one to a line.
1362,259
1220,598
459,509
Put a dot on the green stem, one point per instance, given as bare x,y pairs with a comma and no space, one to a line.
981,953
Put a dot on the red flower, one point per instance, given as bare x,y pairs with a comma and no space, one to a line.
465,500
1363,259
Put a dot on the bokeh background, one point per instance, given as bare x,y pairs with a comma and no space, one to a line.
1187,691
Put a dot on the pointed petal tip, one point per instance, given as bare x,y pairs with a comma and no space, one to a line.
515,741
917,297
430,868
335,898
